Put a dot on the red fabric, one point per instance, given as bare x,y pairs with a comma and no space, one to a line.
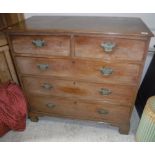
3,129
13,108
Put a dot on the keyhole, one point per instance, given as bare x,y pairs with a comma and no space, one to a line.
73,62
74,83
75,102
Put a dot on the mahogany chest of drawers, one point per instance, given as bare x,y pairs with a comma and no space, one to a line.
80,67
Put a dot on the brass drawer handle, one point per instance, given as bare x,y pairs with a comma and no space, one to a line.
47,86
38,43
50,105
42,67
103,111
105,91
106,71
108,46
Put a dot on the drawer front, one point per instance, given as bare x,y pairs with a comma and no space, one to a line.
42,45
65,107
52,86
80,69
109,48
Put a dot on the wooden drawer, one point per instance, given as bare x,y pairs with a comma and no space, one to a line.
65,107
42,45
80,69
109,48
52,86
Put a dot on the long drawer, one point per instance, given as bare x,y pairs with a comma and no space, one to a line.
65,107
80,69
111,49
121,95
42,45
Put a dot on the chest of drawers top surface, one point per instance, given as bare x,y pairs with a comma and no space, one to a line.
76,24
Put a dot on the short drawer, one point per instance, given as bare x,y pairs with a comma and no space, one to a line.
42,45
80,69
65,107
121,95
109,48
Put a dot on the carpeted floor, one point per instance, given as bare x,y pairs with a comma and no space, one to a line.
60,130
